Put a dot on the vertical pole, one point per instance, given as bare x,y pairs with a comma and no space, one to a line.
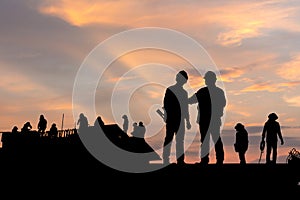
62,121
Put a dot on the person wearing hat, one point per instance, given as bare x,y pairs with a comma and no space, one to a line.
271,131
211,103
241,142
176,115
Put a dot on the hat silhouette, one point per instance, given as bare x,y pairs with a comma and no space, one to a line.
210,75
239,126
273,116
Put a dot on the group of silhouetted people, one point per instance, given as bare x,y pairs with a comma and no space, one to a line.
41,128
270,134
211,102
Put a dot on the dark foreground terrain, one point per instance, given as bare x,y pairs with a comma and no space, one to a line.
65,166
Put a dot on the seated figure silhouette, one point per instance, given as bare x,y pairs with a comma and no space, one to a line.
135,129
53,132
241,142
26,127
139,130
42,125
15,130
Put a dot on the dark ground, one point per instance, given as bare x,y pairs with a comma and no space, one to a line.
66,169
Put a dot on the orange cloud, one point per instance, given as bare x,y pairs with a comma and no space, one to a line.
235,109
240,20
270,87
155,94
18,84
247,20
81,12
196,82
235,37
290,120
231,73
266,86
290,70
293,101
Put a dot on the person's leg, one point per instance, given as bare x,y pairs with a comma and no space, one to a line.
205,140
242,157
167,143
219,149
274,158
180,143
268,153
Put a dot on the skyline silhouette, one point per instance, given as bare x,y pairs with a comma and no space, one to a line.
192,158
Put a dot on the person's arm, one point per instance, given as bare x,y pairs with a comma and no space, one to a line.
193,99
264,132
280,135
187,114
166,103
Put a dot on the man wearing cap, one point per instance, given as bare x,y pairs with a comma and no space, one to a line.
271,131
176,116
211,102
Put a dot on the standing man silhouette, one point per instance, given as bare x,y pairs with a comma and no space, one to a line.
176,115
211,102
271,132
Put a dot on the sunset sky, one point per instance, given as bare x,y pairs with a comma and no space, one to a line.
254,44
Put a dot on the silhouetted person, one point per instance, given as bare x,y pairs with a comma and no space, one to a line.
142,129
82,122
125,123
139,130
42,125
176,114
15,130
99,122
26,127
271,131
241,142
134,129
211,102
53,132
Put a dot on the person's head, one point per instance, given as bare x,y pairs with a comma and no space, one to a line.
15,128
272,116
42,117
210,78
124,117
141,124
28,125
53,125
182,77
239,126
